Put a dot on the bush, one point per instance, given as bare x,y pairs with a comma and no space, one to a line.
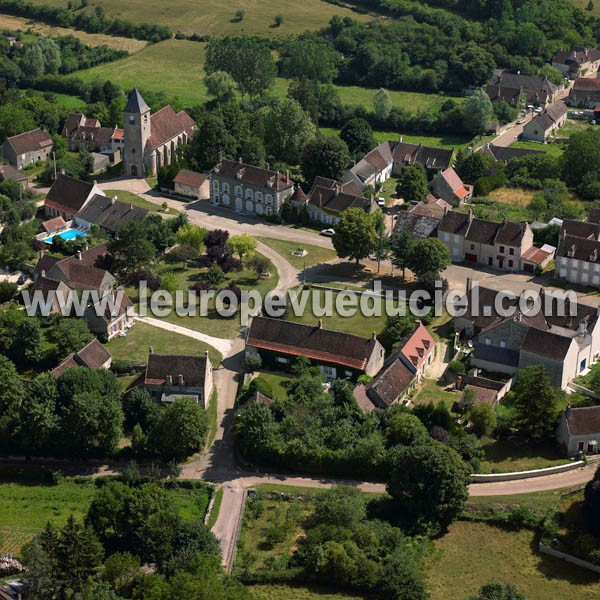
252,362
8,291
457,366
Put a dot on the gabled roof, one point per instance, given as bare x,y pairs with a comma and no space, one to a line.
419,226
30,141
507,153
251,175
45,263
135,102
54,224
109,213
581,229
389,383
337,200
579,248
535,255
430,158
418,346
166,124
9,172
511,233
162,366
483,232
190,178
93,356
314,342
68,194
456,222
584,420
547,344
299,196
527,83
450,176
586,84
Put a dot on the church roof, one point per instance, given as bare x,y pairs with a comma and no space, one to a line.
135,102
167,124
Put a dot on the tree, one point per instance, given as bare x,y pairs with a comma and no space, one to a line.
309,59
483,419
287,127
220,85
429,484
278,20
382,104
479,112
131,249
192,235
581,156
326,156
27,349
476,165
8,290
428,256
259,264
355,235
402,247
70,335
406,429
590,6
246,58
552,74
252,362
412,183
358,135
11,395
241,244
32,63
180,430
50,54
535,404
496,590
240,14
396,328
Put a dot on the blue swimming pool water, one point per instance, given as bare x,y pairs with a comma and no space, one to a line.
69,234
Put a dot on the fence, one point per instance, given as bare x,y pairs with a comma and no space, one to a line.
491,477
568,558
585,391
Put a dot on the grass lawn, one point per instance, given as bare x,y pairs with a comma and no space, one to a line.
134,346
430,391
472,554
285,592
91,39
315,254
513,196
212,418
218,16
72,103
125,196
506,456
214,513
442,141
552,149
539,502
277,383
358,324
25,509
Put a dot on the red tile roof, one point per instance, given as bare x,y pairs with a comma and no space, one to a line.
418,346
452,179
166,124
54,224
535,255
30,141
190,178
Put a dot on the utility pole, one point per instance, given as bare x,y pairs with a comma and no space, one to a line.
54,158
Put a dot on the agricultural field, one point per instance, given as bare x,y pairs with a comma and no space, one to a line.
25,508
218,17
471,554
91,39
134,346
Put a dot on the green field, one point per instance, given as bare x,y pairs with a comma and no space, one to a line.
125,196
539,502
286,592
217,17
25,509
315,254
134,346
507,456
472,554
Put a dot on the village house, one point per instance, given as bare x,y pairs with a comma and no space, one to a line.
8,172
505,343
419,226
430,207
578,260
575,62
25,149
448,186
585,93
544,125
536,259
152,140
108,213
328,199
578,430
505,154
85,133
388,159
519,90
494,244
93,356
487,391
337,354
192,184
68,196
169,377
247,188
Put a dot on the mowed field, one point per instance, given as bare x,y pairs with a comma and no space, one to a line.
91,39
218,17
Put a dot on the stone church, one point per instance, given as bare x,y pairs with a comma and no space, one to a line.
151,140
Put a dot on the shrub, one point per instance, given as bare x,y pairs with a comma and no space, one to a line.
8,291
252,362
458,367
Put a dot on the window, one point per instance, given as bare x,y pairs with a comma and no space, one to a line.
258,196
282,360
511,251
472,246
328,371
510,263
131,120
580,446
488,341
238,190
347,373
501,249
490,260
226,188
269,199
502,344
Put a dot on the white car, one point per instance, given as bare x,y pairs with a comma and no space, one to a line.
539,109
520,121
328,232
381,201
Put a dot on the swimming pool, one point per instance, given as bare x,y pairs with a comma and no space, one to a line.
69,234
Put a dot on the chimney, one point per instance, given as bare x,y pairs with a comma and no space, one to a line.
568,410
268,166
151,350
468,285
62,171
206,354
373,336
78,254
240,160
320,324
130,206
337,190
582,329
180,380
320,199
43,274
169,380
287,175
95,182
113,199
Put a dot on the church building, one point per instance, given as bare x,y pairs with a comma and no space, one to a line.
151,140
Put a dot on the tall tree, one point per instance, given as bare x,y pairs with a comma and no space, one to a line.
241,244
358,135
355,234
428,256
382,104
246,58
326,156
131,249
220,85
307,59
478,112
402,246
412,183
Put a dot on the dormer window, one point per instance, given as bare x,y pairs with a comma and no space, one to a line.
594,256
571,252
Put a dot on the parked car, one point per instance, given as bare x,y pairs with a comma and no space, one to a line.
22,279
520,121
328,232
381,201
539,109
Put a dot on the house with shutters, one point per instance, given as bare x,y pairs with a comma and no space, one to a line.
494,244
578,430
506,340
247,188
448,186
328,199
25,149
578,253
337,354
170,376
108,213
545,124
585,93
